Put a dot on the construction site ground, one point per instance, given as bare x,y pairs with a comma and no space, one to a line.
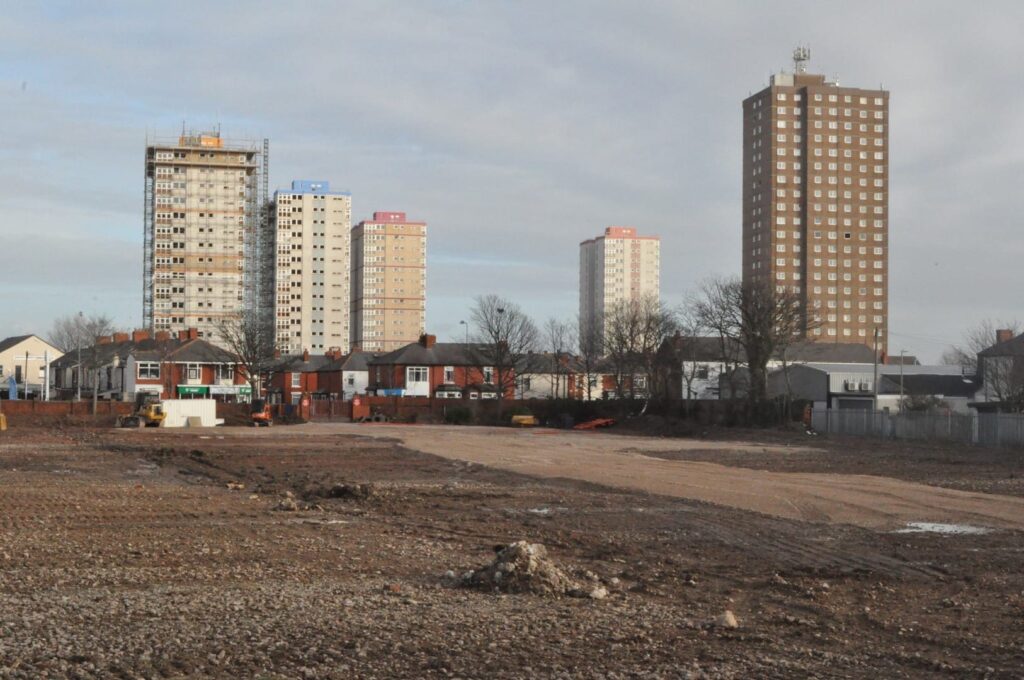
336,551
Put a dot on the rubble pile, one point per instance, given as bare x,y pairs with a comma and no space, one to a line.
524,567
342,490
287,503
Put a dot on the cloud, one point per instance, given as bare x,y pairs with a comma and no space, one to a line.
515,130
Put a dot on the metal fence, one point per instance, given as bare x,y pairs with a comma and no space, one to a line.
983,429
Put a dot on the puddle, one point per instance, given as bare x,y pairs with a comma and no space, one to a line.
946,529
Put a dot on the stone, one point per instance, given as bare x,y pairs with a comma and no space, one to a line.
727,620
287,504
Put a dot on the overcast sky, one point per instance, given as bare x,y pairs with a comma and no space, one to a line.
515,129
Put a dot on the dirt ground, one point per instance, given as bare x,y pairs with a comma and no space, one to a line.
154,554
665,466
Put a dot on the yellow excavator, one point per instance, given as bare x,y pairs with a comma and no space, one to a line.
149,412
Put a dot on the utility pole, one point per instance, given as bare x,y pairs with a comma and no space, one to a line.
874,384
78,367
902,352
465,352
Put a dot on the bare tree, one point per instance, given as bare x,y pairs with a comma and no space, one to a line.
95,326
66,333
252,342
79,333
505,337
589,341
1002,379
689,351
760,319
621,327
976,340
634,331
714,307
558,340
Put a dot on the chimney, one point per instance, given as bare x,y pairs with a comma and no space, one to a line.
428,341
140,335
163,336
103,339
305,355
277,353
121,337
193,333
1003,334
183,335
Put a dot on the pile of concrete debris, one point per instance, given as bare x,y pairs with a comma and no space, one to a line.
342,490
523,567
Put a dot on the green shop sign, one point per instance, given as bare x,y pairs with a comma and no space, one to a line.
193,390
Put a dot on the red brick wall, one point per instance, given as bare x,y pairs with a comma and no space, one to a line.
84,408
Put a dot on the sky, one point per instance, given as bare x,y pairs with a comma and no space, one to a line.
514,129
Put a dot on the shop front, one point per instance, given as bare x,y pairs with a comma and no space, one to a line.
193,391
232,394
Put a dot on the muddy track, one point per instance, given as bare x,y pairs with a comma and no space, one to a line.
620,462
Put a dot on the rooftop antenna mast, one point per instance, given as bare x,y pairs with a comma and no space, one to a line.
801,55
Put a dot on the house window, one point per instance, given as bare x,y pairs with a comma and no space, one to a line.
488,374
449,374
416,374
148,370
296,380
350,381
194,372
702,373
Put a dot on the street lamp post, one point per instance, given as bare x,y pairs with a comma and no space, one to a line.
902,352
78,367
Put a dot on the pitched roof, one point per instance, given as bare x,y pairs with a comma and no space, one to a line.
547,362
357,361
323,363
931,385
700,348
1012,347
830,352
298,363
10,342
174,350
906,360
441,354
203,352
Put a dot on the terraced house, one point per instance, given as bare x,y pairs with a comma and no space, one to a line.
124,365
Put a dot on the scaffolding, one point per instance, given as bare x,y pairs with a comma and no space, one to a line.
199,230
258,277
148,232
